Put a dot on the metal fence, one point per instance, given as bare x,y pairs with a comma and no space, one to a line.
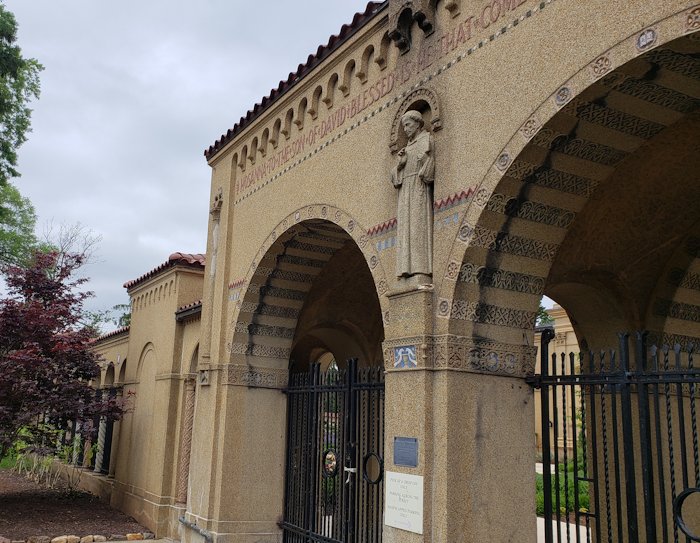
619,443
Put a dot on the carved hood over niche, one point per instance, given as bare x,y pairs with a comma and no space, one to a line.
403,13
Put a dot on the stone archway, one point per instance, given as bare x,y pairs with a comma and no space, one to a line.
596,166
314,287
598,210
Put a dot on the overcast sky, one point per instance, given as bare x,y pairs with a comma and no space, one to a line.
132,94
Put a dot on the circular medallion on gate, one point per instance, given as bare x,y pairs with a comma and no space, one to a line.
692,495
330,463
373,468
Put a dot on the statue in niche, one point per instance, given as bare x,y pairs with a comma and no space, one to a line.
413,176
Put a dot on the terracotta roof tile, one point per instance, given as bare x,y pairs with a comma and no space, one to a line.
313,60
187,307
194,260
113,333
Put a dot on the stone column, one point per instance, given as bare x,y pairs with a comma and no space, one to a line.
186,441
115,437
464,401
99,455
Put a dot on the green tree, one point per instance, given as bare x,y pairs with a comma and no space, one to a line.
19,84
17,239
543,317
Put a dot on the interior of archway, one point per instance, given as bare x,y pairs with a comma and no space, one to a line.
312,294
341,315
599,212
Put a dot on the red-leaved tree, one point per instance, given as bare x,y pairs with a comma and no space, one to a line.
46,364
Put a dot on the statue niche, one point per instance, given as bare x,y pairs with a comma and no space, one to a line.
413,177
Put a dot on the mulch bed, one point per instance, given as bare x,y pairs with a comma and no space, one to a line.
27,510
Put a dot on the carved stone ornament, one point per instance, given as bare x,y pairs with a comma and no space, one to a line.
401,18
692,20
218,202
420,99
647,39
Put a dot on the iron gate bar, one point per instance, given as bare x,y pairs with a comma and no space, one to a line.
630,472
615,391
645,438
547,336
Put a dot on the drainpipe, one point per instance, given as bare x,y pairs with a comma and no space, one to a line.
208,536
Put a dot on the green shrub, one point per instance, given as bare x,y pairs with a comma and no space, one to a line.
564,476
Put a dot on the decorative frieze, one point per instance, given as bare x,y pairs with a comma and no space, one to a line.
265,330
508,243
677,310
256,377
618,120
552,179
311,247
499,278
651,92
285,293
676,62
680,278
483,356
486,314
591,151
270,310
287,275
301,261
531,211
265,351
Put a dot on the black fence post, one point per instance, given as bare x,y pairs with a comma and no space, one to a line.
628,440
547,336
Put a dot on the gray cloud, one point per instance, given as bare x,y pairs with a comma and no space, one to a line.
132,94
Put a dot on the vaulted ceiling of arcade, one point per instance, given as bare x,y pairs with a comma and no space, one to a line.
312,294
607,195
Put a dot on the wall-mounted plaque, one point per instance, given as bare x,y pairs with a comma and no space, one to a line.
406,451
403,506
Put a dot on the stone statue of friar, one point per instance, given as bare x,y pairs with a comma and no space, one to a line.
413,176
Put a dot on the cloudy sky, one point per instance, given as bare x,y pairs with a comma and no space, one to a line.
132,94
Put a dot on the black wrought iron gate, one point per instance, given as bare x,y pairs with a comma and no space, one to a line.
620,440
335,445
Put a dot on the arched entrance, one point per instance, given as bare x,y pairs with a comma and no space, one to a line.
314,308
599,212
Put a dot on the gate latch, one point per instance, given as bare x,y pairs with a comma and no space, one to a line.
350,471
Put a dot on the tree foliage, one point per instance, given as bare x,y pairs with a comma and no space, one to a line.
45,359
543,316
17,239
19,85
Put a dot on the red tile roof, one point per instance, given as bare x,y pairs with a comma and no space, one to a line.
323,51
176,259
187,307
113,333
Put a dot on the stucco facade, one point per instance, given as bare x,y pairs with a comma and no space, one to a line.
566,163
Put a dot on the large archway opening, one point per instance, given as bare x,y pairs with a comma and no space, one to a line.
312,311
599,212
